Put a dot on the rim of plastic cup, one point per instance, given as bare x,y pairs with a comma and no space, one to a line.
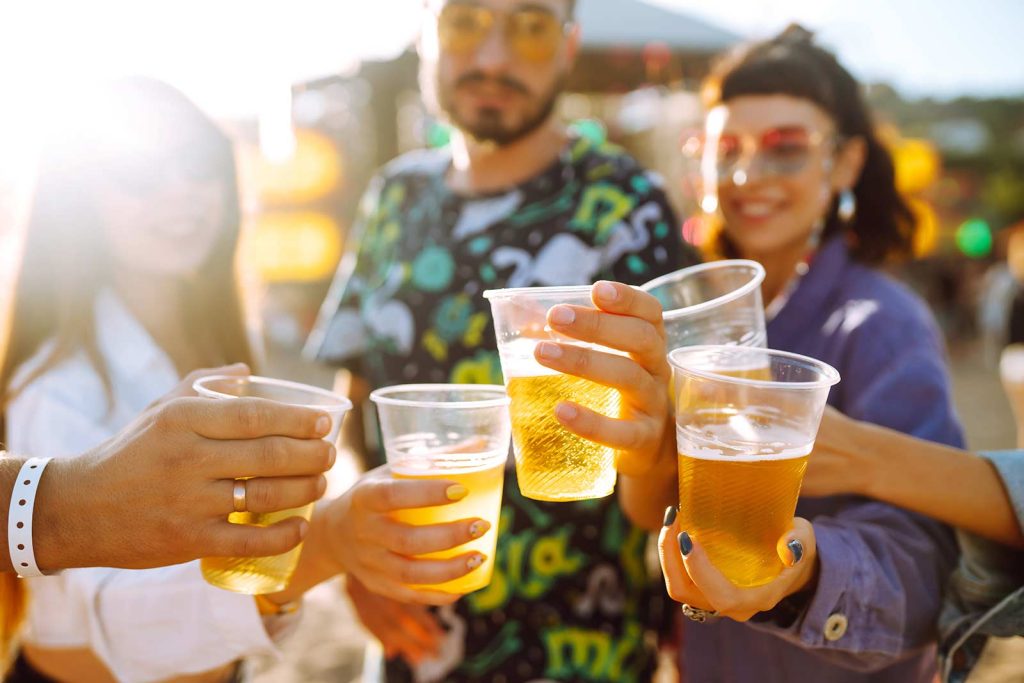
537,291
382,396
717,301
829,375
343,402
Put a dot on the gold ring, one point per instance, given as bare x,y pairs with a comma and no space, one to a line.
238,495
699,615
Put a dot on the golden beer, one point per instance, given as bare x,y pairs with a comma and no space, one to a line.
484,482
255,575
737,505
552,463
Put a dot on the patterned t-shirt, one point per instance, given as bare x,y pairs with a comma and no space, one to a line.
571,599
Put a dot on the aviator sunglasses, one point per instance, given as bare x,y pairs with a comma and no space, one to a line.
534,34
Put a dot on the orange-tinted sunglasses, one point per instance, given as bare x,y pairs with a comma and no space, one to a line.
533,34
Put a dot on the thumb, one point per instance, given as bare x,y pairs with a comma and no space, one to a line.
797,544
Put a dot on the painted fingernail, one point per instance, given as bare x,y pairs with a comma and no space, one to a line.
562,315
549,350
479,528
606,291
670,515
797,550
323,425
475,561
566,411
685,544
456,492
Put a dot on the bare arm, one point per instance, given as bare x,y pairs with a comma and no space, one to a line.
644,498
953,486
159,492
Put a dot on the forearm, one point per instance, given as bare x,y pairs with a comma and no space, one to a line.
59,538
955,487
644,498
315,564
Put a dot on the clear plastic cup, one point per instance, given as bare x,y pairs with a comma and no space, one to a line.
746,420
259,575
712,303
552,463
458,433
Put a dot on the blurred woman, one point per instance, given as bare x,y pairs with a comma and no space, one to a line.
799,181
127,284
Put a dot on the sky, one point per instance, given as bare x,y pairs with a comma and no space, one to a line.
942,48
235,56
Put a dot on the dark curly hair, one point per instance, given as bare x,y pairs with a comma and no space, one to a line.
792,64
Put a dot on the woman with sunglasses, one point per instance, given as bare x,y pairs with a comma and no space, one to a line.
127,284
793,170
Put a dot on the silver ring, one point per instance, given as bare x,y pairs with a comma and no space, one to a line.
699,615
238,495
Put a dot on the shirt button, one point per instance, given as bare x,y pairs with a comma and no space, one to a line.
835,627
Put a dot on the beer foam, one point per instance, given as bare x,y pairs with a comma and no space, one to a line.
423,454
739,440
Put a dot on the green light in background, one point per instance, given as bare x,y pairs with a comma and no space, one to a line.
974,238
590,129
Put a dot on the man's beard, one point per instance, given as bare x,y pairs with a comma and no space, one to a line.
488,126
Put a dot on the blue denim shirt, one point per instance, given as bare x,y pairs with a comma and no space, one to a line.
873,612
986,595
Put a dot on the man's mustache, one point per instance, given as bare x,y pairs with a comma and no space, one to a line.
478,77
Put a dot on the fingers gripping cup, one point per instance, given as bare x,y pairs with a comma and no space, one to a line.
258,575
712,303
458,433
746,419
552,463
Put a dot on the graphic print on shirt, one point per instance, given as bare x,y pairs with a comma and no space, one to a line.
570,599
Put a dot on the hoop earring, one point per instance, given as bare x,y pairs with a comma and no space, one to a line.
847,206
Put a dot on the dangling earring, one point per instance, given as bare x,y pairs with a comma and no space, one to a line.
847,206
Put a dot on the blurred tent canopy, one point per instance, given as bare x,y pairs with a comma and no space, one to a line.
629,43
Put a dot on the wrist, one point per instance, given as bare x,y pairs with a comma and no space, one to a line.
57,537
871,478
316,561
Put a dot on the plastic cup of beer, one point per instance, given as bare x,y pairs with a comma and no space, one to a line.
458,433
258,575
746,419
712,303
552,463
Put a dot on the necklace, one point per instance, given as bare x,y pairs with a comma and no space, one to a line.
802,267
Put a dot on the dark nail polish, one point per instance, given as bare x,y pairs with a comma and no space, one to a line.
670,515
685,544
797,549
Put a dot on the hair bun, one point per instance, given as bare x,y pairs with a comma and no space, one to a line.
795,34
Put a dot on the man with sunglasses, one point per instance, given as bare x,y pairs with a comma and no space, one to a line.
514,202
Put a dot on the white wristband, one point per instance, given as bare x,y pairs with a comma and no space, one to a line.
19,519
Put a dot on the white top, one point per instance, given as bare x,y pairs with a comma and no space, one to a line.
146,625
